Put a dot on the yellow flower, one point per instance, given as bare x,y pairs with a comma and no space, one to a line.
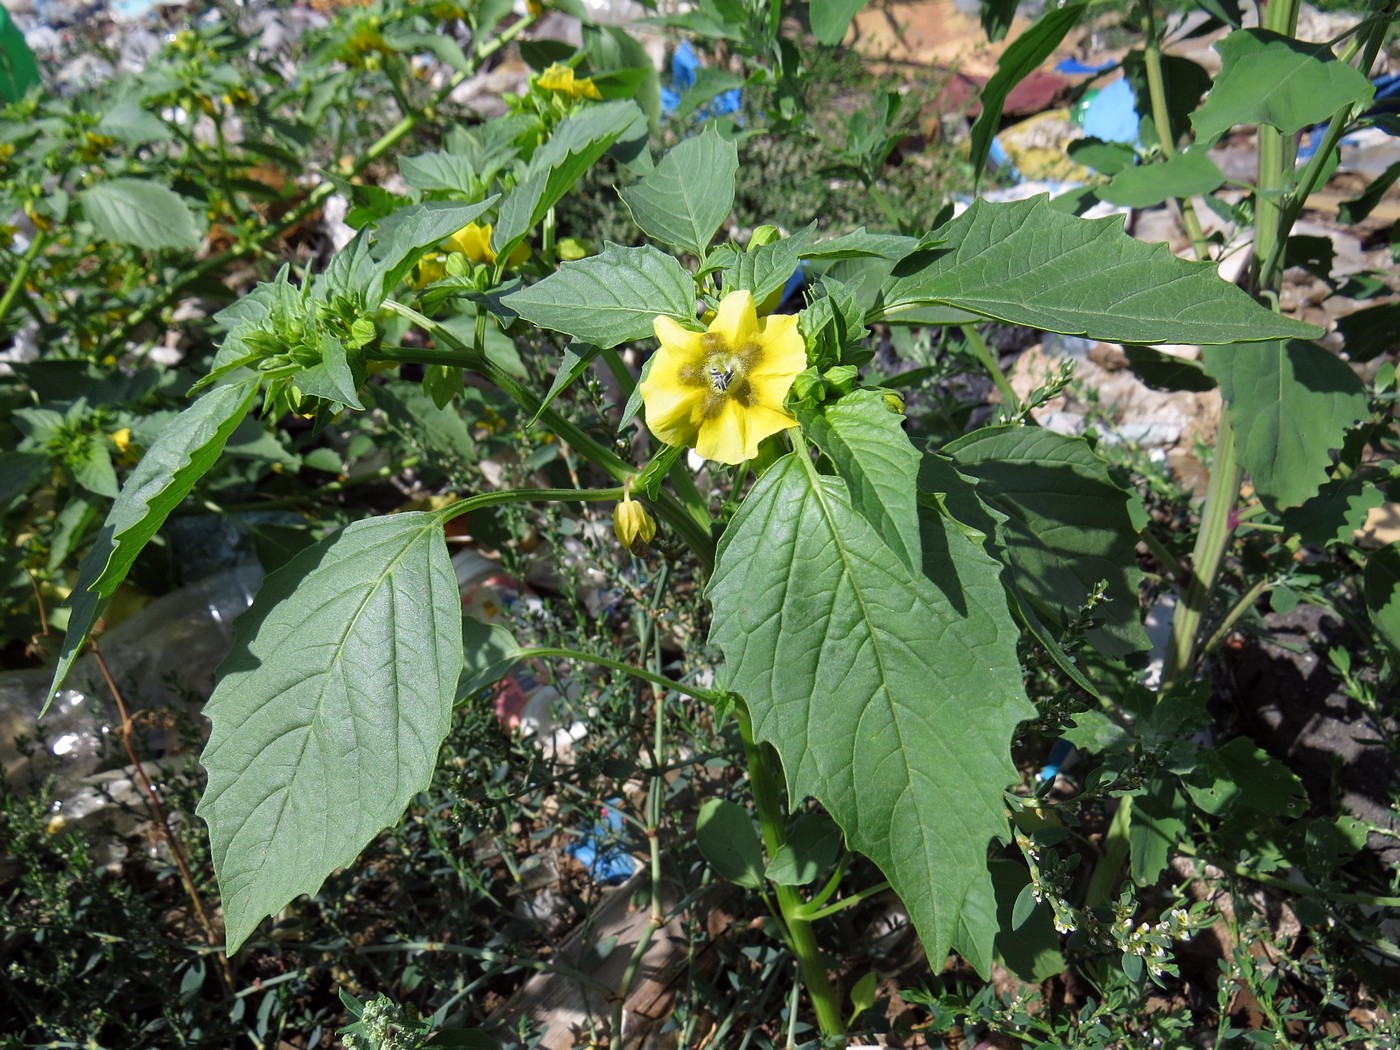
430,268
721,391
560,77
633,525
122,439
474,241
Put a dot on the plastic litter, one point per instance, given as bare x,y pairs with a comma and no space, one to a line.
1077,68
1110,114
1036,148
601,850
1061,757
524,699
685,67
163,658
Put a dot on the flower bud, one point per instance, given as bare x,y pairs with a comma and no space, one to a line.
633,525
764,235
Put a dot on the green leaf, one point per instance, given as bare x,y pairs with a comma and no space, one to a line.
1155,831
831,18
1021,58
727,838
946,492
20,471
610,298
891,698
180,456
812,846
577,358
997,16
127,122
1166,372
403,237
141,213
863,994
709,82
1290,404
1026,263
1239,775
1184,81
689,194
1029,949
332,377
1270,79
1359,207
1337,511
1368,333
1190,173
93,469
440,45
860,244
438,171
867,444
575,146
764,270
1107,158
1382,583
439,431
330,710
489,652
1068,526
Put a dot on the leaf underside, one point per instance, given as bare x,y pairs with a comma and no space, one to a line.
330,710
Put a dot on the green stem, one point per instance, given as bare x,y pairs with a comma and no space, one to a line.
1115,852
1275,165
1270,269
1222,493
1170,563
487,499
988,361
667,506
768,800
883,202
21,274
656,792
560,653
1157,92
1245,603
813,914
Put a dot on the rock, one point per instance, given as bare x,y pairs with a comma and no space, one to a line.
1122,408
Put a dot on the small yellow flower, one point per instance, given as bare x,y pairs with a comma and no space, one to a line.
633,525
474,241
430,268
721,391
122,439
560,77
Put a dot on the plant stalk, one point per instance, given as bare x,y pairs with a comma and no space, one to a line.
21,274
667,506
162,823
1222,493
988,361
768,800
1161,121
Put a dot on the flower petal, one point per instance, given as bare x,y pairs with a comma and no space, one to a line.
679,340
737,320
784,351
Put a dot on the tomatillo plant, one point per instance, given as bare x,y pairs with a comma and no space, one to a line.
868,592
